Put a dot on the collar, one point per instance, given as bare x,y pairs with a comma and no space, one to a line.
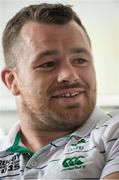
13,138
8,140
11,143
96,116
16,147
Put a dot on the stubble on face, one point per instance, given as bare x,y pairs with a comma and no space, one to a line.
45,116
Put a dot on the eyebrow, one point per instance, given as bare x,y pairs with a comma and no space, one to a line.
56,52
47,53
80,50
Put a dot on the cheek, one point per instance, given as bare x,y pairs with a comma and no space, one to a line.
34,84
93,79
89,77
40,86
92,76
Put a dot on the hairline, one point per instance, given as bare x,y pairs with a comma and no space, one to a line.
17,36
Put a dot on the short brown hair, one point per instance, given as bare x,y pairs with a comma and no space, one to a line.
42,13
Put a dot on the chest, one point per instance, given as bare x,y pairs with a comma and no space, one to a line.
77,159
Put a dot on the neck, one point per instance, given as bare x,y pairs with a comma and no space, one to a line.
33,139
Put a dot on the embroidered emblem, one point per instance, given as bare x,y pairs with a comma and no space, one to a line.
81,141
79,145
11,164
74,163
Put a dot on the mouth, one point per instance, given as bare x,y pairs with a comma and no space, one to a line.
68,93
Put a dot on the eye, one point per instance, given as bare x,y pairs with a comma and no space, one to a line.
48,65
80,61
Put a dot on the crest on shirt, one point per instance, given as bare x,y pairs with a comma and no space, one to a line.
78,145
9,163
76,162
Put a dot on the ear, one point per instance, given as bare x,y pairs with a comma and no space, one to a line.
9,78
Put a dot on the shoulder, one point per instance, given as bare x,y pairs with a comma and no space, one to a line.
110,143
107,130
112,128
2,136
110,123
3,140
7,140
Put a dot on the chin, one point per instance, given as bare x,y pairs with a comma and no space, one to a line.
69,119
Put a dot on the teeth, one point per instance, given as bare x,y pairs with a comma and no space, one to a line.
67,95
70,94
74,93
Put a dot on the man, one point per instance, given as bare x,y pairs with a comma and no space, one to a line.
50,70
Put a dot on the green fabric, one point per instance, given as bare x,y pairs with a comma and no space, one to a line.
16,148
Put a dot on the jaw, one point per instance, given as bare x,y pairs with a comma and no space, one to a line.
59,113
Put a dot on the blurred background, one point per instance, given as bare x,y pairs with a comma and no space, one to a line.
101,19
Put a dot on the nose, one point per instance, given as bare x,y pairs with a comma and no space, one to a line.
67,73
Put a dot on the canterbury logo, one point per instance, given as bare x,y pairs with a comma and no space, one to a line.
74,162
81,141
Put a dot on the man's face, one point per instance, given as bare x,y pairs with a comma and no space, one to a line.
56,76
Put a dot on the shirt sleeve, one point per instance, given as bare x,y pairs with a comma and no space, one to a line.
111,143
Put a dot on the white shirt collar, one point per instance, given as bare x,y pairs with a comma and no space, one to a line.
84,130
96,116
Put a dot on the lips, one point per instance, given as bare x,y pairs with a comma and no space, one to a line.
68,93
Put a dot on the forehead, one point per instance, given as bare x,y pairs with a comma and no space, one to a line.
38,32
